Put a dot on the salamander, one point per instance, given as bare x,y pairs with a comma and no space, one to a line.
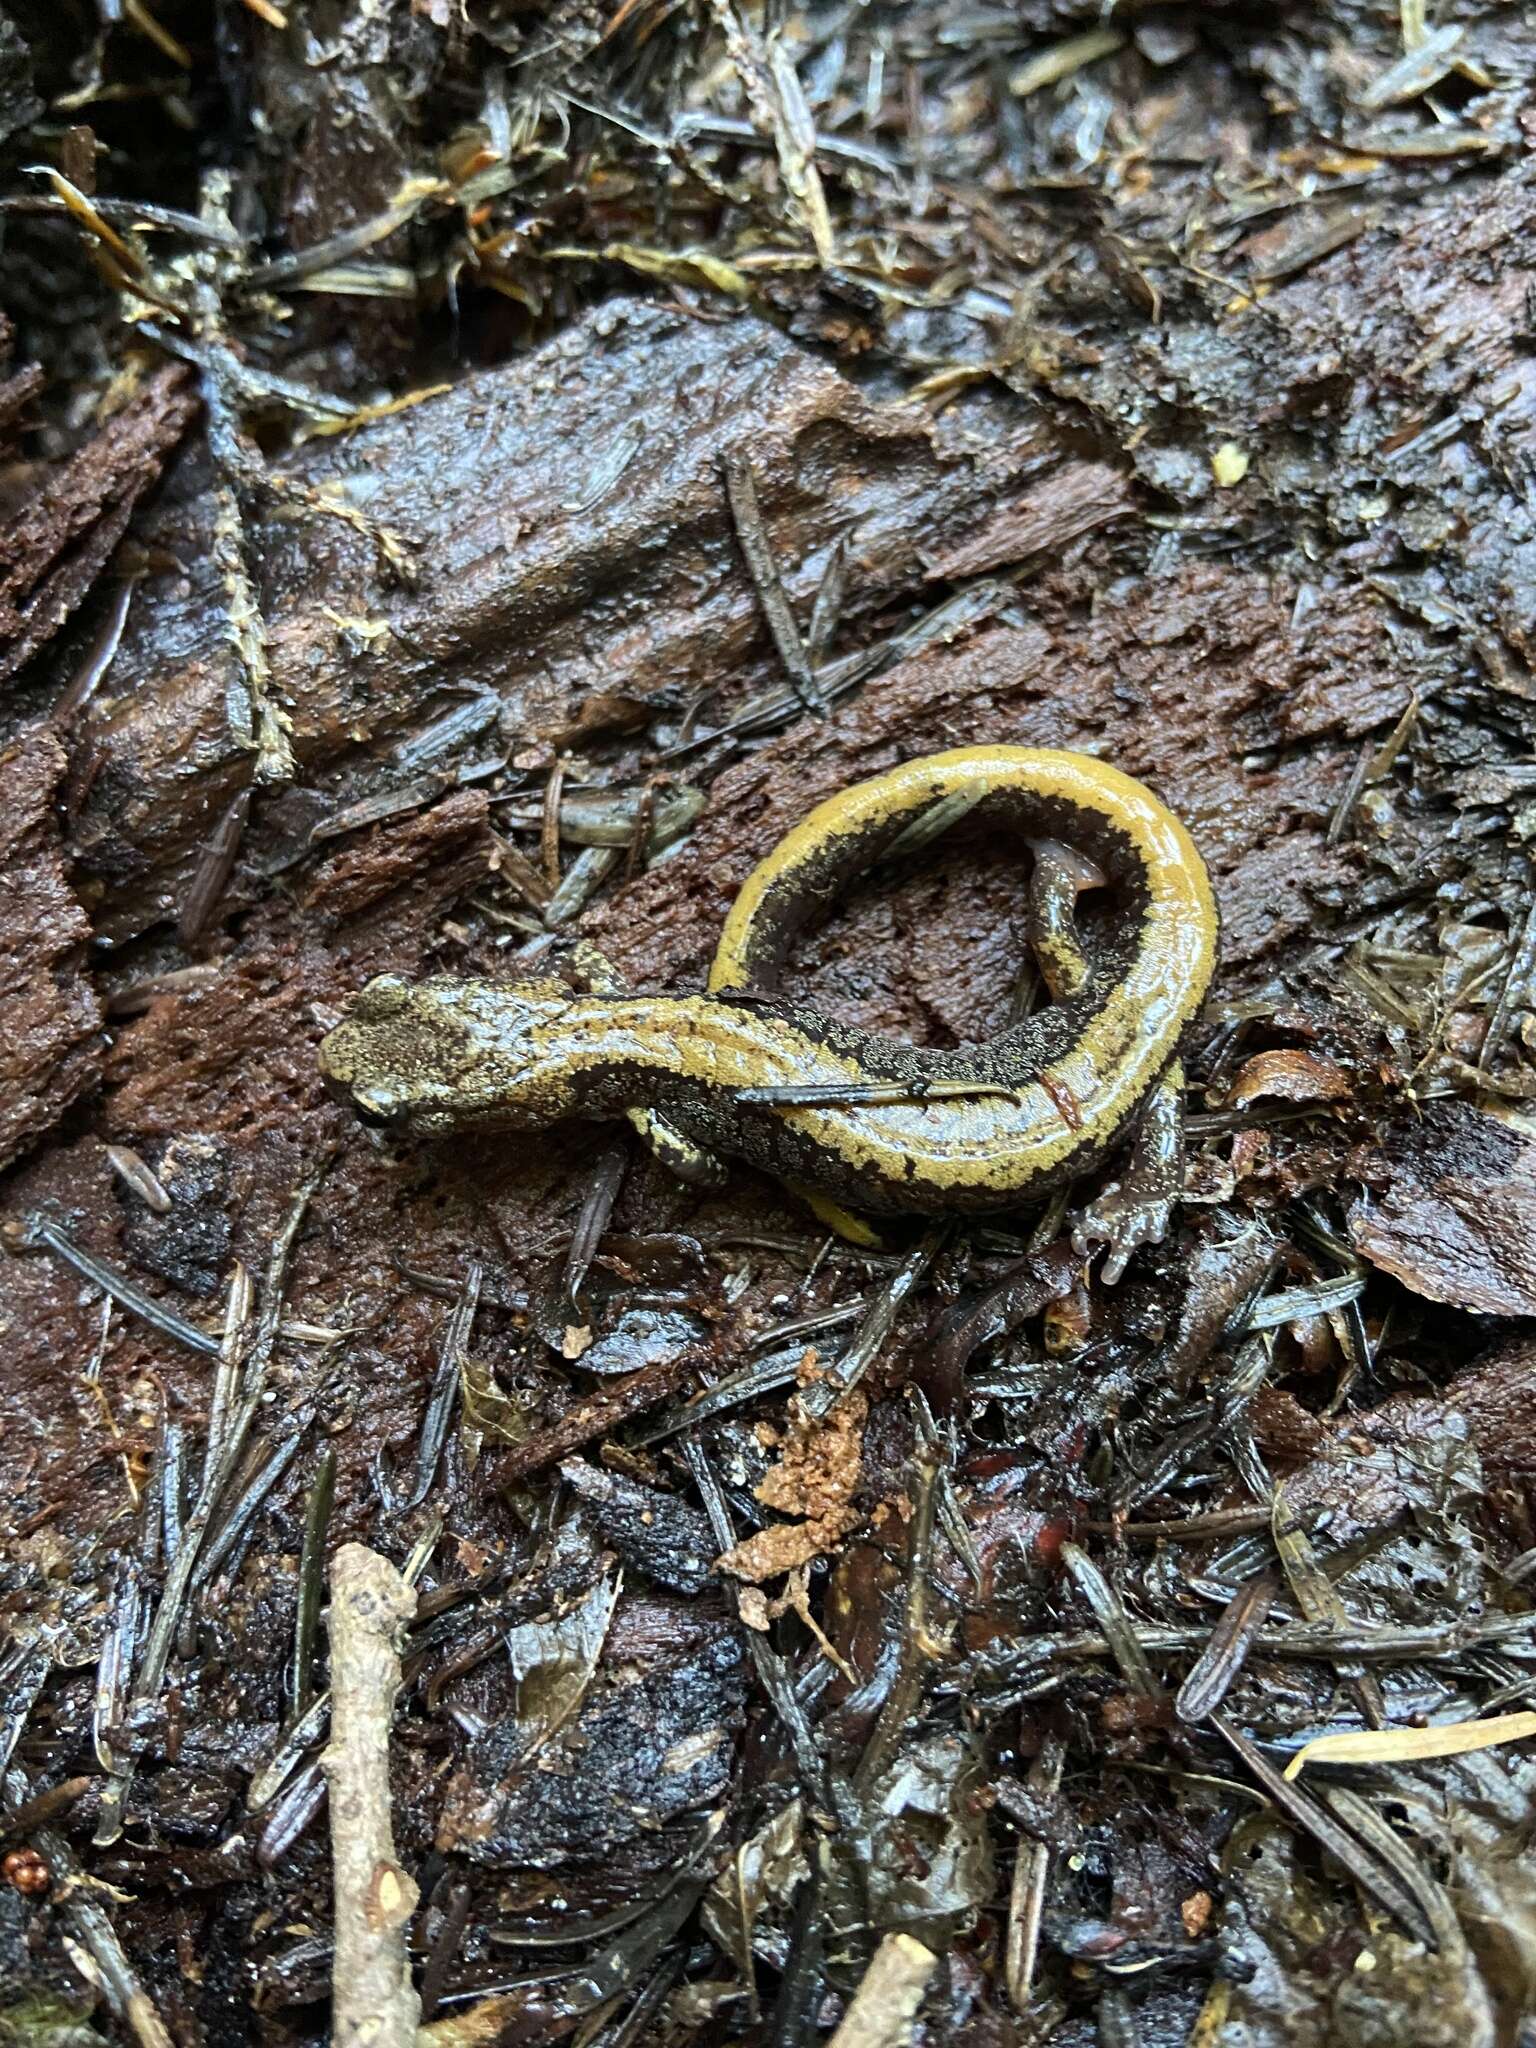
746,1072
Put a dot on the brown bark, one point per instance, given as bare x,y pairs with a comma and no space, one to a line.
529,579
57,541
52,1048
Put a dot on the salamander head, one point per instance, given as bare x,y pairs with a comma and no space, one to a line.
442,1055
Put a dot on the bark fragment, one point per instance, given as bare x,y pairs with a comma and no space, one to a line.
1452,1212
52,1050
57,541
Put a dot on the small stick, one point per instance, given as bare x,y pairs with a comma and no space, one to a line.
827,612
373,2001
640,832
757,552
445,1386
306,1620
882,2010
44,1806
1349,796
917,1646
870,1337
99,657
34,1230
549,828
1027,1897
812,1094
516,868
1521,960
109,1968
597,1413
603,1183
206,889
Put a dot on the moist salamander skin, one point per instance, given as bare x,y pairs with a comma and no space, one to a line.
1052,1096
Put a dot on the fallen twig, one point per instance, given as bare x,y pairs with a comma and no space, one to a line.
757,552
93,1945
595,1415
373,2000
884,2006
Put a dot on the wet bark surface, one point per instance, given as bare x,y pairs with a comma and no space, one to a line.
53,1050
375,595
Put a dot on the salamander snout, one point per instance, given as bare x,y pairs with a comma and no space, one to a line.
440,1055
354,1059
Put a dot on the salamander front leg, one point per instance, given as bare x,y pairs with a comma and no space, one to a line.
677,1152
1135,1209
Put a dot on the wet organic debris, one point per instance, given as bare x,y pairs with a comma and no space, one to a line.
473,478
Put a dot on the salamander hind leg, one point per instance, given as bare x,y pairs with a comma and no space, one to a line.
844,1223
677,1152
1058,878
1135,1210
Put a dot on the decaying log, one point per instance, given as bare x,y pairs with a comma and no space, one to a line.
569,535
